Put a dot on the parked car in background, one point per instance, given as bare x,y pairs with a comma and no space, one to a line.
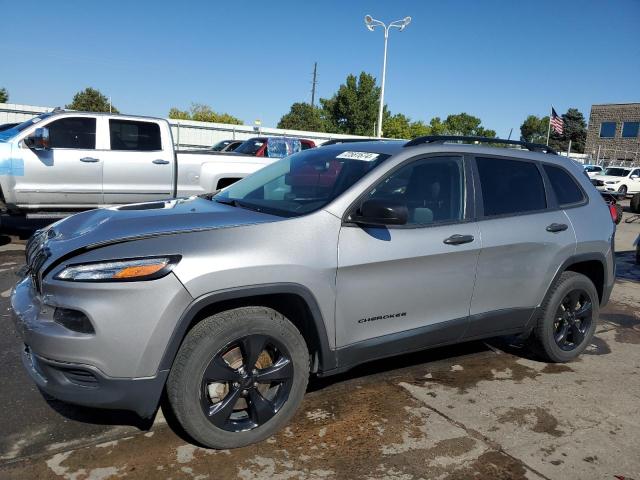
593,170
324,260
259,146
65,160
7,126
226,145
622,180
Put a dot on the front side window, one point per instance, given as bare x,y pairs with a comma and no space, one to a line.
301,183
510,186
566,190
134,135
432,189
73,132
630,129
607,129
251,146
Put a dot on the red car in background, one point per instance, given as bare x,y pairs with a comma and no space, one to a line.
258,146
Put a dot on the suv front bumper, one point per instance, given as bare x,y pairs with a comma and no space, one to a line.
116,367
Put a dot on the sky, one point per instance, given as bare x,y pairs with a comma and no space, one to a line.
496,59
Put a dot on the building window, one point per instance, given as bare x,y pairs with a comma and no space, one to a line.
607,129
630,129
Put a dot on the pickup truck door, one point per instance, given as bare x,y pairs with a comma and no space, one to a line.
139,163
69,174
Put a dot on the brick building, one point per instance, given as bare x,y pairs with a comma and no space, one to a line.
613,133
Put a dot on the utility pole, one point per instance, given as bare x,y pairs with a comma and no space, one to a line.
314,83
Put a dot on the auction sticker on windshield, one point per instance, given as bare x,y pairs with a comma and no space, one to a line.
365,156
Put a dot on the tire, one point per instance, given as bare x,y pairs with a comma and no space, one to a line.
635,203
623,190
619,212
237,332
548,328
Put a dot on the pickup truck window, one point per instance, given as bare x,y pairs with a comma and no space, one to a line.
301,183
73,132
133,135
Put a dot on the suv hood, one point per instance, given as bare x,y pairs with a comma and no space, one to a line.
143,220
608,178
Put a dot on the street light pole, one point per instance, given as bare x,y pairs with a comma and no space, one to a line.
371,23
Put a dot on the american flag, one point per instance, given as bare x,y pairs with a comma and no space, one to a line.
556,122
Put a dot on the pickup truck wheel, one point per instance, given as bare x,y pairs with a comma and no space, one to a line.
238,377
567,320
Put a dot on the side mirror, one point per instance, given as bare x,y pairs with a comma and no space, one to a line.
38,140
634,177
381,212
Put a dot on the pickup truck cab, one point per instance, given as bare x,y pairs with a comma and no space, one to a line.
67,160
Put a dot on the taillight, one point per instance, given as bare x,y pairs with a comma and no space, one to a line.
614,212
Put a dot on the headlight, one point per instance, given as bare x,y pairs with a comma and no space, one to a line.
611,182
134,269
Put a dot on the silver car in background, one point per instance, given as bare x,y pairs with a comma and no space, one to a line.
324,260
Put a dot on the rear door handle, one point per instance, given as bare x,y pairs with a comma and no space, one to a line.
159,161
557,227
89,160
458,239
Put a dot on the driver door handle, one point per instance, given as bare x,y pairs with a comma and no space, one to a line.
458,239
160,161
557,227
89,160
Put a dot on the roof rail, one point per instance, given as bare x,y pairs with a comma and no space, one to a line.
440,139
350,140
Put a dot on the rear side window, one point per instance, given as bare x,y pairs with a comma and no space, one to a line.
132,135
564,186
73,132
510,186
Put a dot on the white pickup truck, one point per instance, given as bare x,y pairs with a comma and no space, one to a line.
65,161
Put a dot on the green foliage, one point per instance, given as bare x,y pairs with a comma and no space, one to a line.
91,100
397,126
203,113
354,108
465,124
575,129
303,116
4,95
534,129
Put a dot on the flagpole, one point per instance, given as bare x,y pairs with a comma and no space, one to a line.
549,127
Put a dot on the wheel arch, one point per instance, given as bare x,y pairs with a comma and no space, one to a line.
292,300
591,265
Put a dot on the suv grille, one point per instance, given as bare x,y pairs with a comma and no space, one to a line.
36,255
597,183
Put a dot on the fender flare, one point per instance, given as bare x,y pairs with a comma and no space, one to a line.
327,357
586,257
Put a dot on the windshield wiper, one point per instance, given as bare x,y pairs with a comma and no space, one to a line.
226,201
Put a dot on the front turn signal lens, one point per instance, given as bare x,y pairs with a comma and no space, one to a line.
135,269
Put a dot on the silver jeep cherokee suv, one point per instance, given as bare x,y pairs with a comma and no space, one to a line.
329,258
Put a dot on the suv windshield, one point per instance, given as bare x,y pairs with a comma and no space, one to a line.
6,134
616,172
251,146
301,183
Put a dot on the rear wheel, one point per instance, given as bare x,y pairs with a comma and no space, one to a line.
239,376
568,318
635,203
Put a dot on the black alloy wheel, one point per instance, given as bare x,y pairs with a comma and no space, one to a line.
246,383
573,319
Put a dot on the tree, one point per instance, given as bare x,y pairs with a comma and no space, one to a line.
4,95
353,109
397,126
203,113
534,129
575,129
303,116
91,100
465,124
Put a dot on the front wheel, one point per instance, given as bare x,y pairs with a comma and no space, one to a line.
623,190
238,377
567,320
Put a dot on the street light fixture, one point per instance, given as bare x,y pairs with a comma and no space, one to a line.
371,23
